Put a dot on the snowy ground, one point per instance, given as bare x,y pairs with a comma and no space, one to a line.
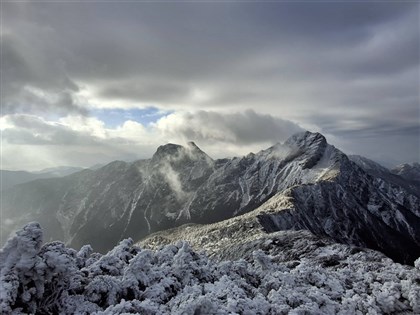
280,273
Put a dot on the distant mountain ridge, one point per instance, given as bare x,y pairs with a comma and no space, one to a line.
304,183
60,171
12,178
408,171
375,169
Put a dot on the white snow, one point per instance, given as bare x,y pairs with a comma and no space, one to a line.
177,280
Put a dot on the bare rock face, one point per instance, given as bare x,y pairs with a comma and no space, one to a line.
327,194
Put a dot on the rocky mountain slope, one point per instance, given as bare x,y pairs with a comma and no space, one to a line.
409,181
326,192
332,208
410,172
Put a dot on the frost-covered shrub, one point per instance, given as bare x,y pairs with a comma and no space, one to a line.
34,278
54,279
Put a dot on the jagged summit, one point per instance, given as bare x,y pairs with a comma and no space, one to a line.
328,194
306,139
302,140
171,152
167,149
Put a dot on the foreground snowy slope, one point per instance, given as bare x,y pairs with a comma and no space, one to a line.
281,273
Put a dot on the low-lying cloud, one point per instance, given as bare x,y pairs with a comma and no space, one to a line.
218,134
241,128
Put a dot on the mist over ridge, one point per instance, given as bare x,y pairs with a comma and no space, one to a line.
182,184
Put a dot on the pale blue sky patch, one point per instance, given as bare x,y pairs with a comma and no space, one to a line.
116,117
189,70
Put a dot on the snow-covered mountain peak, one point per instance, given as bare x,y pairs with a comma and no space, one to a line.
302,145
174,153
314,186
167,150
308,149
306,139
278,151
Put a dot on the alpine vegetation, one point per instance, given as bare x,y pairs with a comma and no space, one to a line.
284,276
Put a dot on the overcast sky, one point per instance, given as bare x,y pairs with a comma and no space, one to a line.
90,82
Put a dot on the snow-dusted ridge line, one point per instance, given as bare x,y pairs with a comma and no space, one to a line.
290,272
336,199
332,196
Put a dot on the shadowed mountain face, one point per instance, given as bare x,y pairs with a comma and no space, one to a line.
326,192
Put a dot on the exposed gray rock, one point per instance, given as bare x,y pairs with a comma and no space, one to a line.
326,192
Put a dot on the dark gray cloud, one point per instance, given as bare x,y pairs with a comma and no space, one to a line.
380,150
33,80
349,69
31,130
188,41
146,91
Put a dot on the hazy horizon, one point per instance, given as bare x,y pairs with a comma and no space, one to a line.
133,159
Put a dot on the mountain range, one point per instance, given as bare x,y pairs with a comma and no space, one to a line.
303,183
408,171
12,178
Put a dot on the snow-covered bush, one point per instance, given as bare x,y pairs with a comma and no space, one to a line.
52,278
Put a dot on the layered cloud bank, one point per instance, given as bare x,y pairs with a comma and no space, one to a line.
348,70
92,141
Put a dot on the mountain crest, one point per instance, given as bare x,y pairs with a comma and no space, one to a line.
309,147
306,139
194,149
167,149
329,195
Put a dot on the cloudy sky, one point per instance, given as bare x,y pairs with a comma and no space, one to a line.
90,82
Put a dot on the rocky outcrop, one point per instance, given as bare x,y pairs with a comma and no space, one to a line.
330,196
